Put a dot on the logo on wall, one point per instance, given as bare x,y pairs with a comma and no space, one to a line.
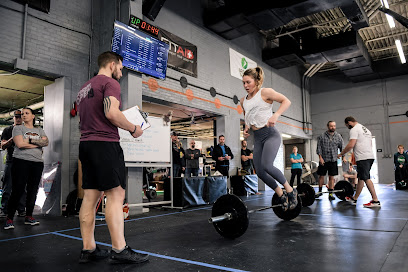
182,54
239,63
244,63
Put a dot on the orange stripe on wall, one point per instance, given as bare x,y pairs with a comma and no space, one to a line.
397,122
293,125
153,86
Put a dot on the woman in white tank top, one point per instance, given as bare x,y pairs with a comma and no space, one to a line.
257,105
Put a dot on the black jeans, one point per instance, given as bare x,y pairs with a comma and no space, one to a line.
26,175
7,188
191,171
224,170
295,172
176,170
401,174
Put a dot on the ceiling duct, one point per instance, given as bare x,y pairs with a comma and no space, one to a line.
232,19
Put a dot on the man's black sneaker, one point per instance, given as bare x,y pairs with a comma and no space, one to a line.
318,194
98,254
29,220
127,256
331,197
292,199
2,214
22,214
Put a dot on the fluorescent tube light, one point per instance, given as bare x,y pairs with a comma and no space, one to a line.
400,51
389,17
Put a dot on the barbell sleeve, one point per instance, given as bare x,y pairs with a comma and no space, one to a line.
225,216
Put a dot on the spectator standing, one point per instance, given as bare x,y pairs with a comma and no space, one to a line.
246,158
8,143
401,166
222,155
296,159
192,160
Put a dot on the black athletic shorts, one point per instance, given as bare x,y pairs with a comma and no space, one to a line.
363,169
103,165
330,167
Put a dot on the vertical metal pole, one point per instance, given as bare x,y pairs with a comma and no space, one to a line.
24,31
171,171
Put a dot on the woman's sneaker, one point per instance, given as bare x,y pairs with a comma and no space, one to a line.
284,202
98,254
127,256
9,224
351,200
292,199
29,220
372,204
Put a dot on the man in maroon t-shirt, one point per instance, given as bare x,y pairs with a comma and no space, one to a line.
103,166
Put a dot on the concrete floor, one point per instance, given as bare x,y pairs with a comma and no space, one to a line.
327,236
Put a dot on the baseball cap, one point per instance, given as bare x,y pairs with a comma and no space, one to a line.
173,133
17,113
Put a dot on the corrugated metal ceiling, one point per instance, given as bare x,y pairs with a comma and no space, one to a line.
378,37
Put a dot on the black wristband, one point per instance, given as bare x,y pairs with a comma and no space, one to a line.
29,140
134,130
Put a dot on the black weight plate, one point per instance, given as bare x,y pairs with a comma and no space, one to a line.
235,99
235,227
289,214
151,194
348,189
183,82
213,92
309,194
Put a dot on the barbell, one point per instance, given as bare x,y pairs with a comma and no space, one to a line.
230,215
342,189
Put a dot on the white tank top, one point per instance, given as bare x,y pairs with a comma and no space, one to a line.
257,111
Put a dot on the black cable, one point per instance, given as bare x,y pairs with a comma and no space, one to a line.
198,87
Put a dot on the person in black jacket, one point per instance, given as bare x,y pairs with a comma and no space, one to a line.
222,155
401,165
178,153
192,160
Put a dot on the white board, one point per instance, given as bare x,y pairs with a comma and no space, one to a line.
152,146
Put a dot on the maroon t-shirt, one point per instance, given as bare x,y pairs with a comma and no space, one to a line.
94,124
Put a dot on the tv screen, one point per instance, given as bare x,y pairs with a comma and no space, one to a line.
140,52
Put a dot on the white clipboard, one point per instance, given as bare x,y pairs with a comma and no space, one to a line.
137,117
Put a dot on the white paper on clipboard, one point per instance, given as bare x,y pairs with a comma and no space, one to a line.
137,117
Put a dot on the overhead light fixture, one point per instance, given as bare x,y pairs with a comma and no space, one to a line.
389,17
287,136
400,51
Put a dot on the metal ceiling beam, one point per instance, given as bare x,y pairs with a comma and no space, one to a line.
376,11
386,48
385,37
321,25
15,90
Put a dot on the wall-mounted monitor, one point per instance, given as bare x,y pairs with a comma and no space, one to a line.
140,52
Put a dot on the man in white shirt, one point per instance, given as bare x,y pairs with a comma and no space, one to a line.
361,142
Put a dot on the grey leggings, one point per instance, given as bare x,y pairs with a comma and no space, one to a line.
267,142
